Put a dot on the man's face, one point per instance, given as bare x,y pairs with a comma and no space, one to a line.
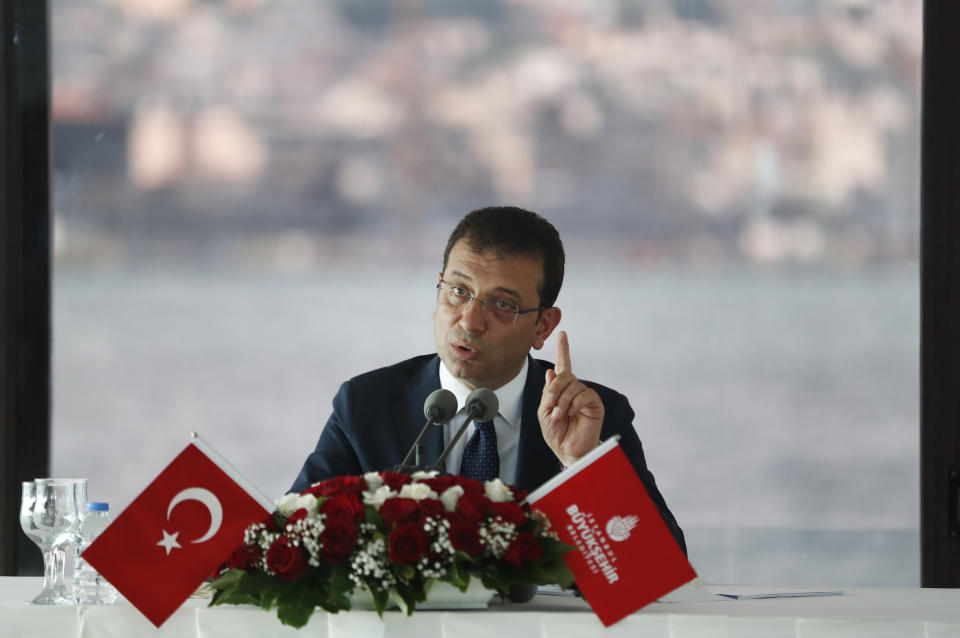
477,347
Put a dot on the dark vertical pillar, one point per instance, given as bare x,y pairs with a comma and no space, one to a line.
940,298
24,267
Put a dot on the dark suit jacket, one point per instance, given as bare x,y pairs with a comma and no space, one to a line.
377,416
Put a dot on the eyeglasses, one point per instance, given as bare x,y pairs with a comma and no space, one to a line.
457,296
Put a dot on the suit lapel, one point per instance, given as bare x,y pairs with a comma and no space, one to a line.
536,462
408,413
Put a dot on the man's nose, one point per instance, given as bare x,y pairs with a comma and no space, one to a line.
472,318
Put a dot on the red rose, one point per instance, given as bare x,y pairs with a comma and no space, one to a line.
299,515
439,484
244,557
285,560
395,480
509,512
407,543
397,511
473,506
524,549
465,537
339,536
469,485
432,507
342,506
337,486
270,523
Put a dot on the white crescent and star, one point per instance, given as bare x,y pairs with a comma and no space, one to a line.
209,500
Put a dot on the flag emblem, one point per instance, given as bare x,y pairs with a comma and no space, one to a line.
209,500
618,527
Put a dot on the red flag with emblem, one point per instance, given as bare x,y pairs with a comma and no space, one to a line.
177,531
626,557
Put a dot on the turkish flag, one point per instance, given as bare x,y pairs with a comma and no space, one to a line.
626,557
175,533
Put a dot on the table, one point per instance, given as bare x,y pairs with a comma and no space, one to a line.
894,613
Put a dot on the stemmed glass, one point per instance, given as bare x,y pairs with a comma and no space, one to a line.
62,554
49,516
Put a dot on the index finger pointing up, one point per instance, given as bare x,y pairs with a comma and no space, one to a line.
563,353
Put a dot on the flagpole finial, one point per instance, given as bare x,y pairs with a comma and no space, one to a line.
194,435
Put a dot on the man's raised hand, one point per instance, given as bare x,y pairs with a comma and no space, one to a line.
570,413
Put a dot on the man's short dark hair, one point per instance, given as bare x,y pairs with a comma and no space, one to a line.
509,231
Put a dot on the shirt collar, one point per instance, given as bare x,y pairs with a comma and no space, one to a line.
509,395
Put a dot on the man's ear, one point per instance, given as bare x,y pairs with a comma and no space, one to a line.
545,326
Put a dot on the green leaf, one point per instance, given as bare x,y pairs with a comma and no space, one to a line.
371,515
492,581
238,587
295,608
338,598
556,571
407,596
381,598
405,573
297,601
457,577
269,598
228,579
553,548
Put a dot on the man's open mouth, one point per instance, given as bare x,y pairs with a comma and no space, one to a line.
464,348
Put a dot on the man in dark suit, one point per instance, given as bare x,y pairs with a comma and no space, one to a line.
502,272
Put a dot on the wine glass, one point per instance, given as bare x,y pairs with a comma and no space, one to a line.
49,522
63,552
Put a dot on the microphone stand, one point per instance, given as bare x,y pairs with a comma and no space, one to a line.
416,452
453,441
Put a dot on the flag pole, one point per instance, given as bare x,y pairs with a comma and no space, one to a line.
232,472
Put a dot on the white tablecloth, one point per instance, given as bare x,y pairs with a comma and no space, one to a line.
893,613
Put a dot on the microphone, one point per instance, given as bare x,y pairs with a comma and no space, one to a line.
482,405
439,407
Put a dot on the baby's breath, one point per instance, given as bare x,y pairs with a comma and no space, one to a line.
497,535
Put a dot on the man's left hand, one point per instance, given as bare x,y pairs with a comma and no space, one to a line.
570,413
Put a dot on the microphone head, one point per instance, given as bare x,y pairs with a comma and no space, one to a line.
482,405
440,406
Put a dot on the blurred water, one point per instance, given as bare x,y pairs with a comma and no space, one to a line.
778,409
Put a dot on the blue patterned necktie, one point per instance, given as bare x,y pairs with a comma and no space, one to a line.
480,459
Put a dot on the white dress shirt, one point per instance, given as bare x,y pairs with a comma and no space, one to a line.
506,423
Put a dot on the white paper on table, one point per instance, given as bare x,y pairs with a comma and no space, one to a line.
555,590
781,593
690,593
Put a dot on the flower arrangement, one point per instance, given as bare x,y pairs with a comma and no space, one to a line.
394,535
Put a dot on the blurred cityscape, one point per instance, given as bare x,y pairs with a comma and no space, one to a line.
267,131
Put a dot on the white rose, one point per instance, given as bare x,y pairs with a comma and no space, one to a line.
498,491
374,480
450,497
307,502
417,491
419,475
286,503
377,496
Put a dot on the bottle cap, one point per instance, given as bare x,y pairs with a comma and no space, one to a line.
98,507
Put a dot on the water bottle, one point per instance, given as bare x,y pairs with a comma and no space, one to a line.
89,587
